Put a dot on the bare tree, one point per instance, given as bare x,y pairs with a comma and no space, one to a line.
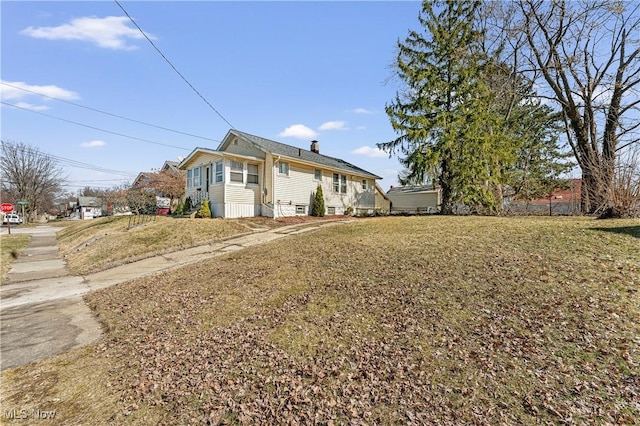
166,183
625,191
29,175
587,55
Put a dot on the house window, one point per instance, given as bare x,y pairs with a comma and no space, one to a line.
219,172
283,168
364,184
331,210
317,174
189,178
339,183
236,171
196,176
252,173
300,209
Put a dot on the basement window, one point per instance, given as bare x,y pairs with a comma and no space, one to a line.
331,210
301,209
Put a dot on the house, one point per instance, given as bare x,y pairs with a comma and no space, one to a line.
248,176
418,199
163,200
89,207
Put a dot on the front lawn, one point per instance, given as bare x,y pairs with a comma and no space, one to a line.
409,320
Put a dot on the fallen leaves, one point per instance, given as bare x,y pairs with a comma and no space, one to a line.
423,321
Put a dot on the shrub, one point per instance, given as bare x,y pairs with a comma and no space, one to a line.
318,203
204,211
187,205
179,209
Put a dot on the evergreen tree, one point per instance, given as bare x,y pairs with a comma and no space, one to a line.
318,203
447,130
541,162
204,211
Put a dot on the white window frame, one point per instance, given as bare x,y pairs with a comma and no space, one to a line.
285,165
339,182
315,174
234,172
365,184
301,209
189,178
219,174
331,210
250,175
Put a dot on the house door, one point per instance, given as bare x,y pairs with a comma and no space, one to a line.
207,184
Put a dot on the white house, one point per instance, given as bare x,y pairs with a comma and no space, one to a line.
414,199
250,176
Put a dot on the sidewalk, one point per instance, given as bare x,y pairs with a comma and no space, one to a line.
42,312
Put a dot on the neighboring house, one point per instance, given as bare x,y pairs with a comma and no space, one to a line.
163,202
89,207
560,202
414,199
250,176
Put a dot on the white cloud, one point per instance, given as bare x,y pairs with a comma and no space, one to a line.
333,125
16,90
111,32
299,131
362,111
31,107
370,152
93,144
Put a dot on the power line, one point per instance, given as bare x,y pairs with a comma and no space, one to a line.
92,127
75,163
108,113
171,65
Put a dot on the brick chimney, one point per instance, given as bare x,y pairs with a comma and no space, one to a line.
315,147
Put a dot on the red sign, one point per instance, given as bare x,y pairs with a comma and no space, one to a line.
6,207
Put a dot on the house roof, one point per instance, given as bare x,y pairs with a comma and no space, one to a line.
170,165
413,189
277,148
89,201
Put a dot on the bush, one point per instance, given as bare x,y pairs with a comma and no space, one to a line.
318,203
187,205
179,209
204,211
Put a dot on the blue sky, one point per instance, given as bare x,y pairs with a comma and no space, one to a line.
288,71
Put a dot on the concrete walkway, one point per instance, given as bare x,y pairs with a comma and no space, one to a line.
42,312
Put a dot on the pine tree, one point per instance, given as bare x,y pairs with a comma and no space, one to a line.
447,130
318,203
204,211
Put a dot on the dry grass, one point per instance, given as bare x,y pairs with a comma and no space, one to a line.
10,246
420,320
98,244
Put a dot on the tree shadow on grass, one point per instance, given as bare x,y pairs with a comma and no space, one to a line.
634,231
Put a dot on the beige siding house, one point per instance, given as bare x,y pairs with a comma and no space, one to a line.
250,176
414,199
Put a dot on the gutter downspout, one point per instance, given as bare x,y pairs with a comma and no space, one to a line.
273,189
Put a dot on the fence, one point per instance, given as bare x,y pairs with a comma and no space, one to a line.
140,219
